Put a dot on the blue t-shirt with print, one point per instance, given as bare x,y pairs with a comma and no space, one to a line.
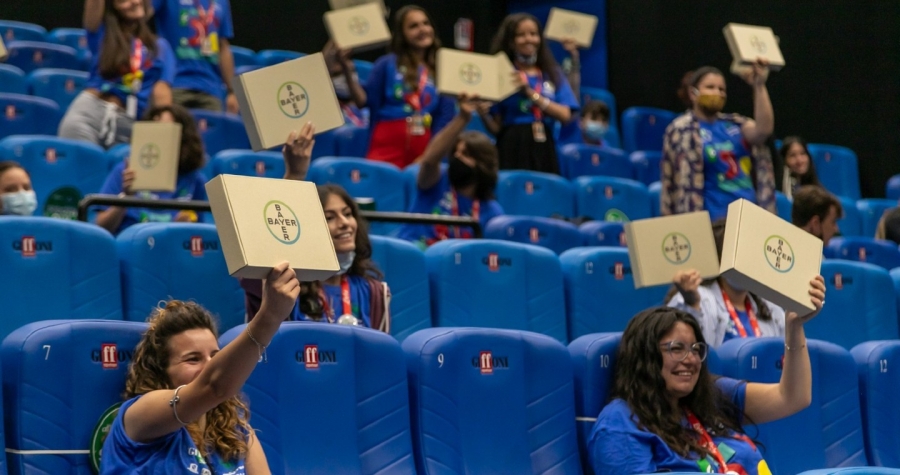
439,200
618,445
386,92
731,332
173,453
187,24
726,167
190,186
360,301
517,109
158,67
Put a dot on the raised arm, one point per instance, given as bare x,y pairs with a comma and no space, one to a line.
92,17
769,402
442,144
226,66
759,129
297,152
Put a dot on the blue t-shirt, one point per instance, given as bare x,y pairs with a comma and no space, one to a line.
731,331
386,92
439,200
190,186
618,446
173,453
360,301
181,23
726,167
159,67
517,109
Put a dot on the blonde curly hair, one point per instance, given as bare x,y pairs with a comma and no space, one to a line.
227,425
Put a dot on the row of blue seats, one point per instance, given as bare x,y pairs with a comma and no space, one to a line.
448,400
505,284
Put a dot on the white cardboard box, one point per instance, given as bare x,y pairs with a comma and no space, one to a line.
279,99
562,24
660,247
339,4
748,42
770,257
263,221
154,155
358,28
489,76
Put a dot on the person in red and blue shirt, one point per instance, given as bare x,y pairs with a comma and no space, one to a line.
199,32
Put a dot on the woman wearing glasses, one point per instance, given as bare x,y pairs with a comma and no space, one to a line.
668,414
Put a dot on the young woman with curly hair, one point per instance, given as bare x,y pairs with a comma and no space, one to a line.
183,411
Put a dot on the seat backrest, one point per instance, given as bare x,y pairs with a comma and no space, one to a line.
646,165
600,293
643,128
248,163
72,37
56,267
220,131
351,141
243,56
895,278
12,80
554,234
331,399
837,169
611,199
876,362
363,69
31,55
871,211
863,249
535,194
58,85
603,233
784,206
851,222
20,30
59,377
271,57
21,114
491,401
654,190
892,188
182,261
496,284
62,170
858,308
403,266
591,160
829,432
411,178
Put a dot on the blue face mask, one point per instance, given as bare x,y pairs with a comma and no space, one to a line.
595,129
21,203
345,260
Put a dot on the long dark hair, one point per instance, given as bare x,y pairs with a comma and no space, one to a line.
808,178
487,163
399,46
192,157
115,53
505,40
639,382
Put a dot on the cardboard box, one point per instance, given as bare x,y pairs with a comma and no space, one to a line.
562,24
339,4
748,42
263,221
279,99
770,257
358,28
154,155
660,247
489,76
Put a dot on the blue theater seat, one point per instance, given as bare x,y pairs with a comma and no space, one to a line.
496,284
611,199
590,160
331,399
594,361
829,432
646,165
58,85
654,190
12,80
871,211
21,114
851,222
403,265
603,233
31,55
271,57
858,306
876,362
182,261
411,177
59,377
863,249
351,141
243,56
784,206
248,163
491,401
895,278
62,170
535,194
363,69
22,31
892,188
643,128
72,37
837,169
854,471
600,293
220,131
554,234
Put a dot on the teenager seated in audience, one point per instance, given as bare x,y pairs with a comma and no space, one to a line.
356,295
889,226
466,188
17,197
817,212
594,122
183,407
669,414
339,67
190,185
799,169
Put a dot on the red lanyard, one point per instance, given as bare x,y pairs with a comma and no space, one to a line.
454,210
706,440
417,97
538,115
354,119
737,321
137,57
206,15
345,300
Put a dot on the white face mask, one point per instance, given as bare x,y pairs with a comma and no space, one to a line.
21,203
345,260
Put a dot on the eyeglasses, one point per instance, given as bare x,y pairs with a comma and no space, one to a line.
679,351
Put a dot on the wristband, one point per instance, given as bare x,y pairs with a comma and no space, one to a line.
535,96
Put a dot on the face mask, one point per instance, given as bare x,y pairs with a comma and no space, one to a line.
710,103
595,129
460,174
341,88
345,260
734,285
527,60
21,203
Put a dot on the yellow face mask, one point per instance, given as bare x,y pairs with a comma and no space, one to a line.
711,103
